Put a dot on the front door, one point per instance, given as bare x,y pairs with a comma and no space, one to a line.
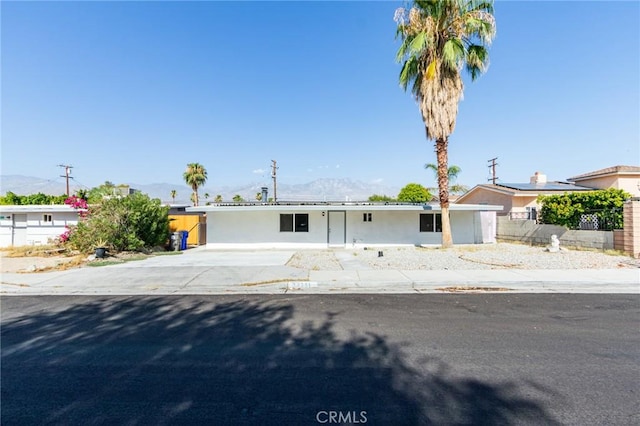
337,229
19,230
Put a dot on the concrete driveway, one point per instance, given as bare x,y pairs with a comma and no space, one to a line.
200,271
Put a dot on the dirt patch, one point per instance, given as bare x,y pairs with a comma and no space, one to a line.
32,264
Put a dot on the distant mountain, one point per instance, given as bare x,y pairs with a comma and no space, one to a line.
327,189
24,185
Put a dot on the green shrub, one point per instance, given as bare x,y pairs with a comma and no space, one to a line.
414,193
567,209
128,223
32,199
381,198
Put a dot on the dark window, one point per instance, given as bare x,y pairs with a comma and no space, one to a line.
302,222
286,223
366,217
430,222
47,218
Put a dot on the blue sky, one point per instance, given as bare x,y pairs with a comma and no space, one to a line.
133,91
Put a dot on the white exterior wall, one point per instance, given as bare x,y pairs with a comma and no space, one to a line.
38,231
6,229
261,229
246,229
463,227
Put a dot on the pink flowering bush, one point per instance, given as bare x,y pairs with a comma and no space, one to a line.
64,237
78,204
129,223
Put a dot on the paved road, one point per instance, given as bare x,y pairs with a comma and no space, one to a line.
305,359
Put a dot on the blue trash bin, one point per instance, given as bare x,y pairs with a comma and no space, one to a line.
185,235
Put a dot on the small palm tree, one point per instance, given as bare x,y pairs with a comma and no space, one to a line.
238,198
259,196
173,195
218,198
195,176
206,195
439,38
452,175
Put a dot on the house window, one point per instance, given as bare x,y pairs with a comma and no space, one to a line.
302,222
366,217
298,222
431,222
47,218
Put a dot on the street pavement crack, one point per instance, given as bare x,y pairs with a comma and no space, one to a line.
191,280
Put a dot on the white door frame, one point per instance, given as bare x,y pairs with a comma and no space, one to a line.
19,229
331,242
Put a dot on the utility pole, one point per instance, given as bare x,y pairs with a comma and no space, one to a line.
273,175
492,166
67,170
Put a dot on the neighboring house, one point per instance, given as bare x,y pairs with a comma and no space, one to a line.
193,222
321,225
34,225
626,178
519,200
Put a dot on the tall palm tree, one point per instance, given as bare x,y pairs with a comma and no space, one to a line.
452,175
195,176
439,38
173,195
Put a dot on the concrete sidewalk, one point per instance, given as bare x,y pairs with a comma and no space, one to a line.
253,272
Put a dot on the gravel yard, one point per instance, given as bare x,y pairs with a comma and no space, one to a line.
493,256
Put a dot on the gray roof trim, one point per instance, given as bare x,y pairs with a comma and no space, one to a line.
341,207
615,170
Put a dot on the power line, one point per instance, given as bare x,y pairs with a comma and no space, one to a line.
67,169
273,175
492,166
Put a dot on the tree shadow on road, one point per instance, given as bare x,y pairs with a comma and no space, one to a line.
190,361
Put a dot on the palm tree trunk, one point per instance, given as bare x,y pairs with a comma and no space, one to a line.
443,190
195,195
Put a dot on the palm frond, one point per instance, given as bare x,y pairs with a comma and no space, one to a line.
418,44
402,50
477,60
409,72
453,53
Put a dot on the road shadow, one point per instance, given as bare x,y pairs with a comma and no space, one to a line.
190,361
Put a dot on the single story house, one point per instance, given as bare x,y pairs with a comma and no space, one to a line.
626,178
322,225
34,224
518,200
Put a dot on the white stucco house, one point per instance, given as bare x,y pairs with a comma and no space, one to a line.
34,225
322,225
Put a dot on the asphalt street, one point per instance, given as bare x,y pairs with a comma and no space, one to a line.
495,359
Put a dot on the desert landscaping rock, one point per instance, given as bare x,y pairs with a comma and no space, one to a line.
488,256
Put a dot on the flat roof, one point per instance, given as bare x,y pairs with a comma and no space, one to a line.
548,186
48,208
346,206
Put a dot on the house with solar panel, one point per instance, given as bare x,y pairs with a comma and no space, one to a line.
518,200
